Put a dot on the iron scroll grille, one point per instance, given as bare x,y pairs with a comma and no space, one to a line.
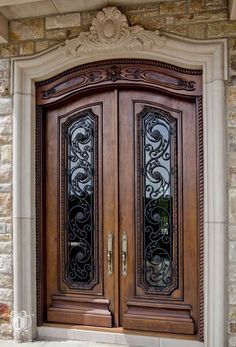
157,223
81,234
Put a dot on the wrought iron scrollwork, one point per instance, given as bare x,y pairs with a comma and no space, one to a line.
81,230
157,145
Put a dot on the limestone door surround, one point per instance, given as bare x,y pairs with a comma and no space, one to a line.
110,37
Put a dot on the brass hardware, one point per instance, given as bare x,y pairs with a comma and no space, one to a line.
124,254
109,254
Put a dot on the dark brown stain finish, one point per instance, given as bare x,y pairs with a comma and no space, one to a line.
117,92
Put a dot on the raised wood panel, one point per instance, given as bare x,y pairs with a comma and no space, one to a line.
151,316
79,310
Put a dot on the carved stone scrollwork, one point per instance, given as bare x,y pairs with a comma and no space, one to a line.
110,30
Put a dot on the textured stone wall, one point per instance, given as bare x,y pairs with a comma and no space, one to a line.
198,19
5,199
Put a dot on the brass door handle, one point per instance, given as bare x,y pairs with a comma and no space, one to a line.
124,249
110,254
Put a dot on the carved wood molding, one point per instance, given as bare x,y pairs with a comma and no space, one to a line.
119,71
110,30
201,218
126,61
39,233
115,73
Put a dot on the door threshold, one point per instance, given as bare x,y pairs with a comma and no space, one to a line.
114,336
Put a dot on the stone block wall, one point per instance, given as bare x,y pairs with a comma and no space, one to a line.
197,19
6,292
200,19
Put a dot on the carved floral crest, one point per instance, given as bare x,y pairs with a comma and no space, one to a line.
110,30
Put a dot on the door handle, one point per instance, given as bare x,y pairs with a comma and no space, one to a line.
110,254
124,258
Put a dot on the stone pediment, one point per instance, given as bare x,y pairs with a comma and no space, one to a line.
110,30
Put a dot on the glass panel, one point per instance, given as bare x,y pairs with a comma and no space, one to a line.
80,219
157,146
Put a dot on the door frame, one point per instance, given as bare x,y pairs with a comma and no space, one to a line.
121,75
211,57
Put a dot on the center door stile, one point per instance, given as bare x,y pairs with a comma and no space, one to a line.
111,146
126,199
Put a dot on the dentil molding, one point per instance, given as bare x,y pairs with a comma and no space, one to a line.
110,30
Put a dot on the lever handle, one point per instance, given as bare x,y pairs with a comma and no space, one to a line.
110,254
124,258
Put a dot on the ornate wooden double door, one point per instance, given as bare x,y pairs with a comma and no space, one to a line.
119,203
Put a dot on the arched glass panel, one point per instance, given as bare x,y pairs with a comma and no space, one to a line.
157,223
80,218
